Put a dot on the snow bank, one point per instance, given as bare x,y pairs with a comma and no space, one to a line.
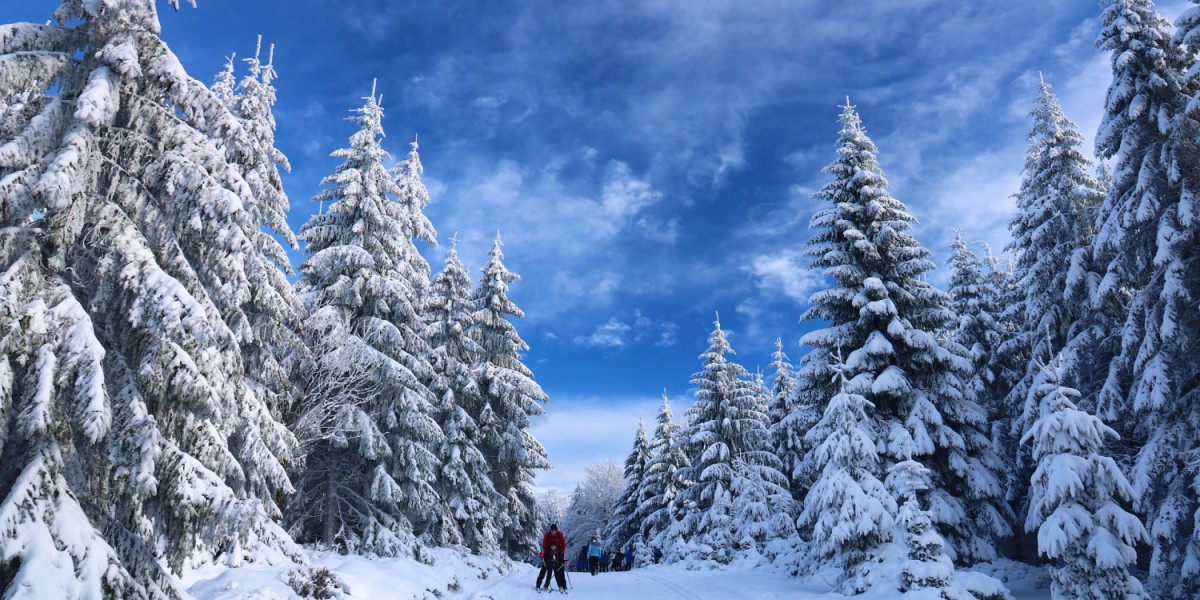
394,578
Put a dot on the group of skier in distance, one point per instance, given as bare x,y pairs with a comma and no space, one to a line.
593,557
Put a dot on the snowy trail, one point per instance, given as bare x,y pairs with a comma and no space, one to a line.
660,583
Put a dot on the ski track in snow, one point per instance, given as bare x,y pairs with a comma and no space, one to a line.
659,583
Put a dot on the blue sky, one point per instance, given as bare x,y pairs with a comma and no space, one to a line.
651,162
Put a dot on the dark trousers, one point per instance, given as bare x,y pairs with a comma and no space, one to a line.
593,563
559,576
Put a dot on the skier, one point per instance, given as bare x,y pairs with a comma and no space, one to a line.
593,551
553,536
657,555
605,560
629,558
552,562
581,562
614,564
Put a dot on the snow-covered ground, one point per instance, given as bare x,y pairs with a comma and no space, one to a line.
457,577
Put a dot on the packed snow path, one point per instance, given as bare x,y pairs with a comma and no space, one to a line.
658,582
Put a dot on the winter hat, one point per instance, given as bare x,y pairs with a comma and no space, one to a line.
554,527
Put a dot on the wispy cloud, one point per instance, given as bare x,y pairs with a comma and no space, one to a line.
613,334
641,329
787,271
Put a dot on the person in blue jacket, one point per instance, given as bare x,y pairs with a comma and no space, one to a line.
629,558
657,555
593,555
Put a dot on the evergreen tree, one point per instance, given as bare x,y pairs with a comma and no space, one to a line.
269,314
51,380
883,312
469,502
369,481
788,421
510,398
927,571
115,181
1076,497
624,524
848,510
732,448
1055,209
664,479
1053,227
1145,248
975,285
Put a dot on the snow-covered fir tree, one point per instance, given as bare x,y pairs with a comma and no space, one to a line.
1077,496
510,397
887,318
664,479
368,425
927,571
1045,303
1056,205
51,380
468,500
625,524
270,312
848,511
788,421
413,197
116,182
1146,250
738,486
975,287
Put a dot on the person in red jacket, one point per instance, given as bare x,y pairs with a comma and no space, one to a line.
555,536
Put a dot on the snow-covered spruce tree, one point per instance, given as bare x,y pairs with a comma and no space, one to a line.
887,317
52,392
1052,228
927,571
367,422
848,510
705,531
764,519
1076,497
974,296
510,397
468,500
977,286
734,457
1143,100
788,422
269,313
664,478
624,525
1146,249
113,157
1056,206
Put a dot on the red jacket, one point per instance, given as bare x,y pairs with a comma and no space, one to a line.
556,537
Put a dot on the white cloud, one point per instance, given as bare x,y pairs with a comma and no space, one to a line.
623,194
613,334
488,102
616,333
784,271
658,231
976,197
